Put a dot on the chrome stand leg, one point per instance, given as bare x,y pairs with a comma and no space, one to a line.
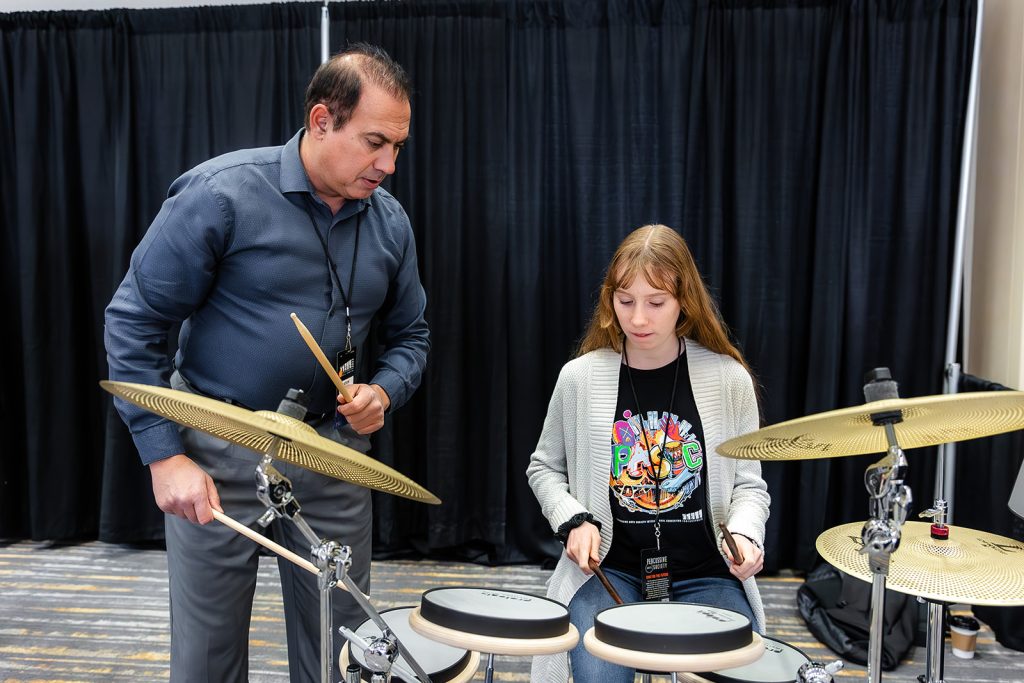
489,673
326,582
875,635
935,652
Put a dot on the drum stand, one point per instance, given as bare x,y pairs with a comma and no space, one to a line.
881,537
333,561
890,500
935,645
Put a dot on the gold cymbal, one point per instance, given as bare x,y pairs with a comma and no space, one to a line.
927,421
970,567
300,444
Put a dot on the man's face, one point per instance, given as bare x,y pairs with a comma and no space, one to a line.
350,163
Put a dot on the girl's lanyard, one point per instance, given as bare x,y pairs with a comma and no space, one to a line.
654,571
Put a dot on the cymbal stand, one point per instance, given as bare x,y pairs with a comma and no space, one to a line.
935,644
333,560
816,672
888,505
379,654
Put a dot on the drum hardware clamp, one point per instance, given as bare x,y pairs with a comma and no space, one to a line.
816,672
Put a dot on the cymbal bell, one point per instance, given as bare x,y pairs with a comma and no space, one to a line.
299,443
927,421
970,567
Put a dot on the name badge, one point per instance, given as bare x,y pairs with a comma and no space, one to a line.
655,577
346,364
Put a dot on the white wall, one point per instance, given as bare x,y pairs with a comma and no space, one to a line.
995,298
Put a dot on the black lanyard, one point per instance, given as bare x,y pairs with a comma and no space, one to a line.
664,434
334,274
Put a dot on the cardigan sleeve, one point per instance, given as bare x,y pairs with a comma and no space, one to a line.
548,471
749,508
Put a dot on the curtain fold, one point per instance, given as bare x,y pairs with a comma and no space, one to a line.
808,152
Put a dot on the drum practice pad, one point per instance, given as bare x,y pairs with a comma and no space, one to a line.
491,612
779,664
494,621
675,628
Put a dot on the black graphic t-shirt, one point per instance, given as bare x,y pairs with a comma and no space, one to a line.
656,440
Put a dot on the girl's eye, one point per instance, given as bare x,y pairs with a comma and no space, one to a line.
657,304
625,302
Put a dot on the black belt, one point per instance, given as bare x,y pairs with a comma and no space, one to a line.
311,418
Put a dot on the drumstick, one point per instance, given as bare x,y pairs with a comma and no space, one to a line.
596,568
324,363
267,543
737,556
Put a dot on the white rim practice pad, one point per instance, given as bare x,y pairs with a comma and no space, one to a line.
779,664
674,628
492,612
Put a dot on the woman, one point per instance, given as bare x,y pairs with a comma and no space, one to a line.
626,468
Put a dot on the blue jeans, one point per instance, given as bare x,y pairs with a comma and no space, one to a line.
591,598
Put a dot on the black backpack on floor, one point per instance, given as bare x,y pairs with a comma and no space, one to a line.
837,609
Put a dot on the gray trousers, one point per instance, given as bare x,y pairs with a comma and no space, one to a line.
212,569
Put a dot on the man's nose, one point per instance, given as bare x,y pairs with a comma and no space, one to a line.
385,161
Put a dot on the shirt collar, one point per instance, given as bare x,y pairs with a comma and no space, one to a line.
295,179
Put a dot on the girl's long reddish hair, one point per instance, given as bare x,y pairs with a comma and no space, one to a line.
659,254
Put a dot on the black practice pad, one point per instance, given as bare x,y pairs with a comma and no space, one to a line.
492,612
672,628
441,662
779,664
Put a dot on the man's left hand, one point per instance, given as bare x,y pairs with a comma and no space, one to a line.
366,411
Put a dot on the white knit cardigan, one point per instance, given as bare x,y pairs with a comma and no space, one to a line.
568,471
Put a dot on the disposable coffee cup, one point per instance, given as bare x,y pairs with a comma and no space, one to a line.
963,635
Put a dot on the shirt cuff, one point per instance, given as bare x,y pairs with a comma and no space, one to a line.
392,383
158,442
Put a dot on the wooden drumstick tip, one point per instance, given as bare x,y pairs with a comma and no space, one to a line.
737,556
321,358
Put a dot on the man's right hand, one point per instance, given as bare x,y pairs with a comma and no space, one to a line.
183,489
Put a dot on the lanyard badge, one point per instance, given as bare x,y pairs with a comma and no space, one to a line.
346,364
655,576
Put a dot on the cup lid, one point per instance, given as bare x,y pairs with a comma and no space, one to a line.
965,622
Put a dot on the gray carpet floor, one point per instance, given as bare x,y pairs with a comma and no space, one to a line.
98,612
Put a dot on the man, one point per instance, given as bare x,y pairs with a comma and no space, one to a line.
242,241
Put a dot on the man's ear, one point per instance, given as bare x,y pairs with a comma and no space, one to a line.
319,119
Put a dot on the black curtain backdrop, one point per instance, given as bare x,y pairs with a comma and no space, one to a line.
808,151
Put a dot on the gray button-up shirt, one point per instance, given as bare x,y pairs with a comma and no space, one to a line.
231,254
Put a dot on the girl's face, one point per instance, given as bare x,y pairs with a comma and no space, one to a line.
648,317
